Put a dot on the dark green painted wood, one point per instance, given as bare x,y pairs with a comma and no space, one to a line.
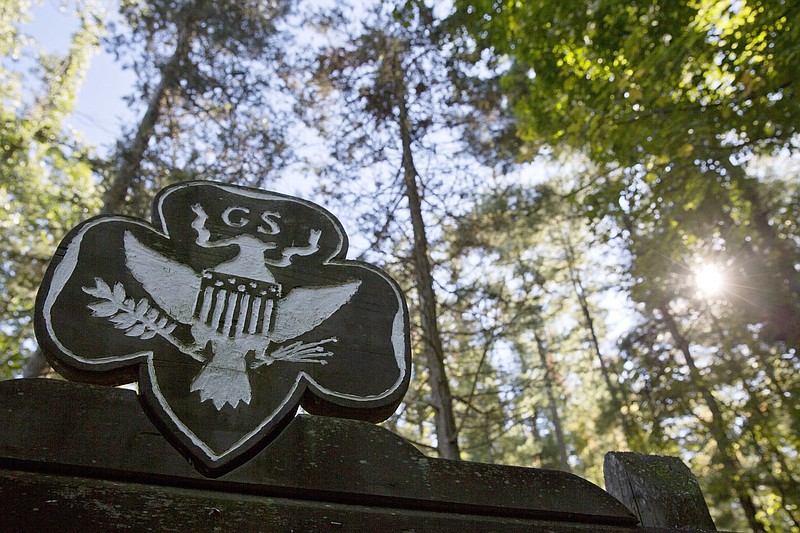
100,432
41,502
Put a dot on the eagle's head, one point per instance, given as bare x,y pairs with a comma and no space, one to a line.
215,215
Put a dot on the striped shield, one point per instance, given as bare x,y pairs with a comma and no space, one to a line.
235,305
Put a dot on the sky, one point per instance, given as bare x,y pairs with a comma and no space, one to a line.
101,114
100,111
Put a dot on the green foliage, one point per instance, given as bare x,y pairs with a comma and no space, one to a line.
676,104
669,100
676,120
645,79
46,181
209,83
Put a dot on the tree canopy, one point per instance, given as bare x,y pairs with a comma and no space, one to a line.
46,182
676,106
593,207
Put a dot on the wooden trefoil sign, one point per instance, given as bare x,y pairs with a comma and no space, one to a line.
231,309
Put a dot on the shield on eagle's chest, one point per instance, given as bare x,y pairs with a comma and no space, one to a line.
232,309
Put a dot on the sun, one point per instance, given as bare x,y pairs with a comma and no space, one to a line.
709,279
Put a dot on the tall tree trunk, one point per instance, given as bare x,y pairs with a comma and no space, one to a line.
442,402
551,399
130,158
619,397
718,430
778,301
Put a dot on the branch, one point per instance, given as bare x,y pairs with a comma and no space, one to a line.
138,319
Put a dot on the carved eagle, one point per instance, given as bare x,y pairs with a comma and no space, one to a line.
176,287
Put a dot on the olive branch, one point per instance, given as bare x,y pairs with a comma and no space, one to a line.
297,352
138,319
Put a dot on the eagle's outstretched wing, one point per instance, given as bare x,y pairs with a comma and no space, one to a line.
303,309
173,286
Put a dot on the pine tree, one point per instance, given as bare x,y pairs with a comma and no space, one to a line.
209,81
400,119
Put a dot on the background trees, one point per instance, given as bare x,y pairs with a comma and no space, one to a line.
676,105
383,99
620,273
46,184
208,80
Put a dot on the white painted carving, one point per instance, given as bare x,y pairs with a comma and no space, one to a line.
303,309
166,281
242,221
267,217
240,292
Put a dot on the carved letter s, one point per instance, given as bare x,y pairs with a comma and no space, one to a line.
273,226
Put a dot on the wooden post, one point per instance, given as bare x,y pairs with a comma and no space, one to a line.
661,491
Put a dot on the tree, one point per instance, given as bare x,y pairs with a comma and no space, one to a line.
709,367
675,105
46,182
584,79
208,76
401,119
527,241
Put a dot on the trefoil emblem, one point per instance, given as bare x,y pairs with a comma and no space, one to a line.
232,309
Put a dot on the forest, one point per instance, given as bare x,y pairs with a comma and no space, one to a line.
592,207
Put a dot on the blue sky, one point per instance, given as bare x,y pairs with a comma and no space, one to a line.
100,111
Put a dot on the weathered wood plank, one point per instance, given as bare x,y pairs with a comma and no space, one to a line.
76,429
42,502
661,491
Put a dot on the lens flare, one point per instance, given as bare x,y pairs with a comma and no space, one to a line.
709,279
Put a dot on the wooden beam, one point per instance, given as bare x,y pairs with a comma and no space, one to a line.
661,491
71,429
